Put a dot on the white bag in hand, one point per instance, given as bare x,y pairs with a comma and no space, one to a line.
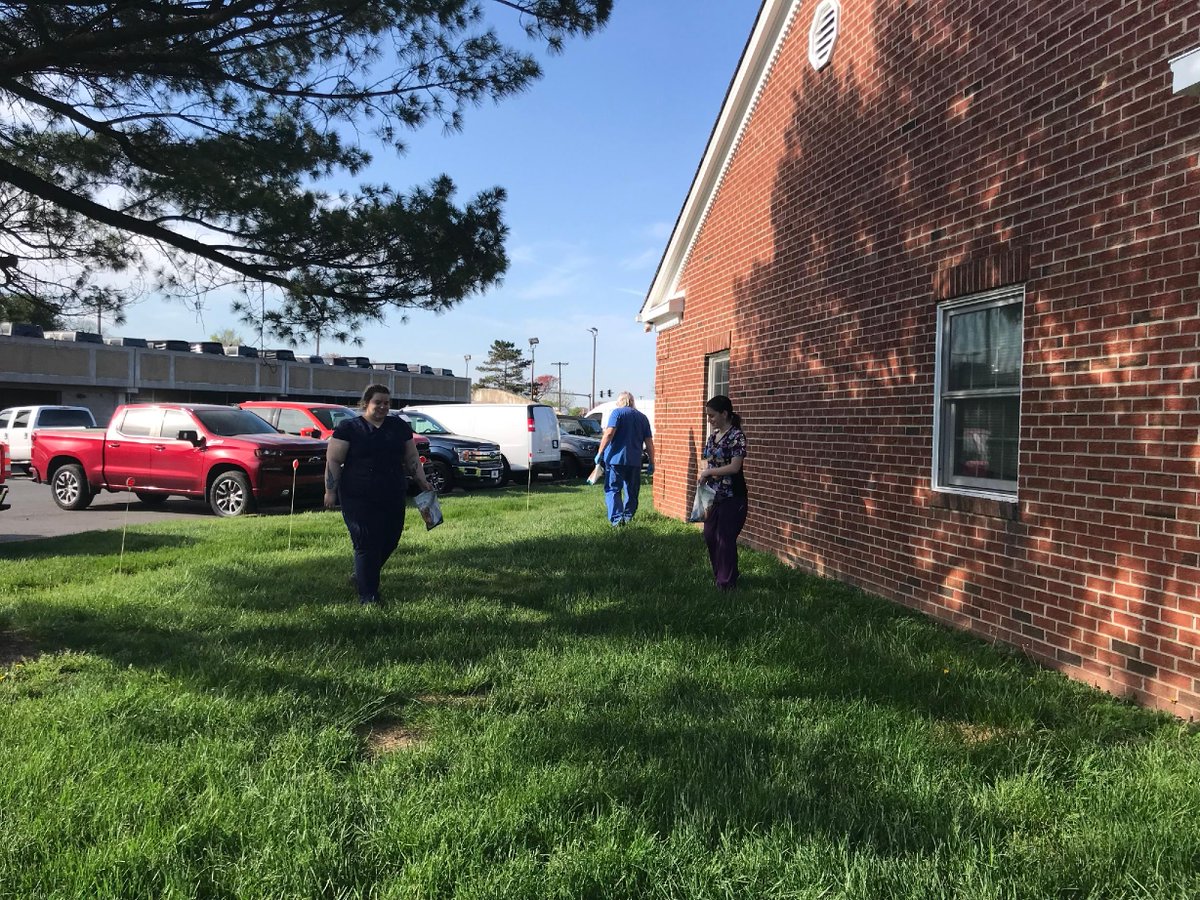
703,503
431,510
597,474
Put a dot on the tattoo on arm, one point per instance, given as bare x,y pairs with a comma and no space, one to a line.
412,458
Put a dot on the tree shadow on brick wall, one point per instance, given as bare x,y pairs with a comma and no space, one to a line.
892,180
847,283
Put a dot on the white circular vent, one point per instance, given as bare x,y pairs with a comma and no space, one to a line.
823,34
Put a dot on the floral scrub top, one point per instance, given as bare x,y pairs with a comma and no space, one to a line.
720,453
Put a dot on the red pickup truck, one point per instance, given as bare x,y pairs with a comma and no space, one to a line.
228,457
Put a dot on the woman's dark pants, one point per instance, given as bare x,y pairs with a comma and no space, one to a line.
375,528
721,529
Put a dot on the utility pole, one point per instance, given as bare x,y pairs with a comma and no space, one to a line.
594,331
467,362
560,365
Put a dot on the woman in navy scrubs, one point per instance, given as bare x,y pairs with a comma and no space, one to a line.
367,468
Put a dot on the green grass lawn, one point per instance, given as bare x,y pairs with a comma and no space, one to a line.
550,708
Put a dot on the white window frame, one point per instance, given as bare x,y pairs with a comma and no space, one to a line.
711,362
943,425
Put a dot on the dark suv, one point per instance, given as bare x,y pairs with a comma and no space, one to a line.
453,458
579,439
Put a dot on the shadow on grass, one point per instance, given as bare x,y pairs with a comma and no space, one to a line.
759,691
808,638
97,544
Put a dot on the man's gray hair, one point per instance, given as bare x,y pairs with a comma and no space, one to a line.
625,399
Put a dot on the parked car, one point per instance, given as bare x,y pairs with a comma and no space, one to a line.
17,424
454,458
82,337
526,433
601,412
228,457
599,416
580,425
5,474
301,418
21,329
579,439
317,420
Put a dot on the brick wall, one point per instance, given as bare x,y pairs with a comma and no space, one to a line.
948,149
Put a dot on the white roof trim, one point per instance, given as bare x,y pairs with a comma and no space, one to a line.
774,22
1185,72
664,316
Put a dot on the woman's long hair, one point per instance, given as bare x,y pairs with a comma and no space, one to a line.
722,404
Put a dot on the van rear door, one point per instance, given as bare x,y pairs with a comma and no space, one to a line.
543,438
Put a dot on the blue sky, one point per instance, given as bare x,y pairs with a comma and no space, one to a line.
597,158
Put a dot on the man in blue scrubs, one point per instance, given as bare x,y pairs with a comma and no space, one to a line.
621,452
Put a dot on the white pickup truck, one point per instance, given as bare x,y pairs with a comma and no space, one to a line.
17,423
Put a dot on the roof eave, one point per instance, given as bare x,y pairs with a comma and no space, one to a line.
741,97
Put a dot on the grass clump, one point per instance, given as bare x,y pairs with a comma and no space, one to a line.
547,708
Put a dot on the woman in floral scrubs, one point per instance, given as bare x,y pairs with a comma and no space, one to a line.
723,454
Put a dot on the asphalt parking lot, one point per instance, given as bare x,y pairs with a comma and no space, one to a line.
34,514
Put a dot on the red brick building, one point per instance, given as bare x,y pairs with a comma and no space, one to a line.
944,259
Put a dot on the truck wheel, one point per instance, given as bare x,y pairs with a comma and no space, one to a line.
505,472
440,476
570,466
148,499
230,495
70,487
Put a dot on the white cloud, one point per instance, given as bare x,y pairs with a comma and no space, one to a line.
564,279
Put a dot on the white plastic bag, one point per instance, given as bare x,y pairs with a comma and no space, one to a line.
597,475
703,503
431,510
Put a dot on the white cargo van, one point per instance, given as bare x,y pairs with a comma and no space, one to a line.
17,423
601,412
526,432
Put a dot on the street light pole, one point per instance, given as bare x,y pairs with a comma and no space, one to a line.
560,365
467,361
594,331
533,342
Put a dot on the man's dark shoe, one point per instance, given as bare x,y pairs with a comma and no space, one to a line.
373,600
